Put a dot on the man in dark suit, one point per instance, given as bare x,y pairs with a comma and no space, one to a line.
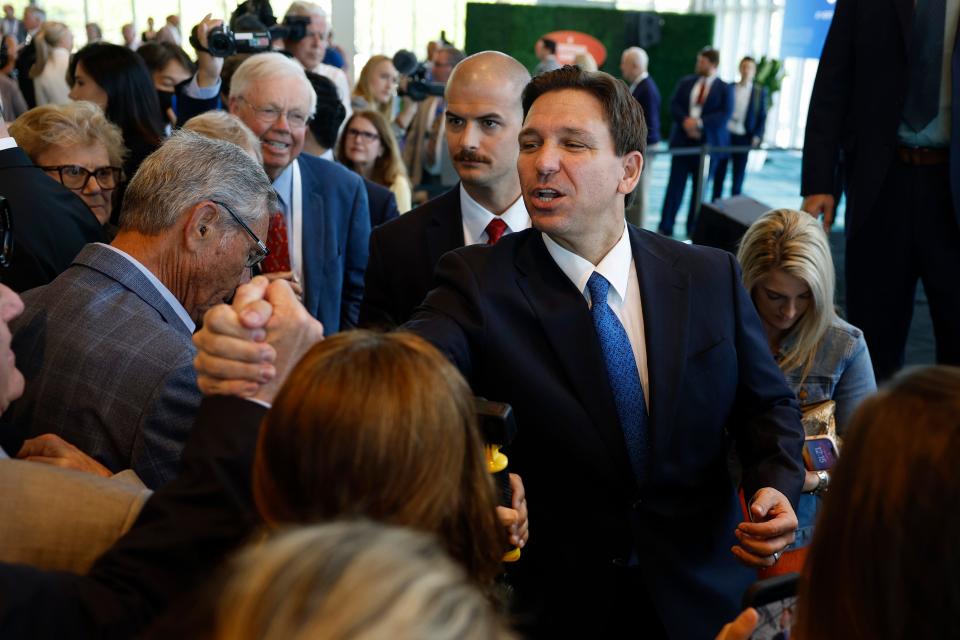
33,18
483,118
747,125
635,359
44,245
106,347
701,107
878,107
321,234
634,65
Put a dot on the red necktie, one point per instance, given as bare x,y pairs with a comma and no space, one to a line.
702,96
495,230
279,257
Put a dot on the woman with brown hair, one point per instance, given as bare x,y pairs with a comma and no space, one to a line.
368,147
885,558
380,426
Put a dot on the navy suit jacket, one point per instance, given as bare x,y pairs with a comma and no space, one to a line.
383,204
403,256
857,104
521,333
717,109
648,95
755,121
336,235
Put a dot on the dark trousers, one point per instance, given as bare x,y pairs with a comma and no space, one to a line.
681,168
739,162
912,232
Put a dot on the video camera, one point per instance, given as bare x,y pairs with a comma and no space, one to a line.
222,42
417,86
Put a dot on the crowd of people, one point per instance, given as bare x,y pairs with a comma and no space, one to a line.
241,357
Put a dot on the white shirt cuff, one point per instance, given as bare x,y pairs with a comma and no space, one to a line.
194,90
7,143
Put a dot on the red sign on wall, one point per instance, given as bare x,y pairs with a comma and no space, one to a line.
570,43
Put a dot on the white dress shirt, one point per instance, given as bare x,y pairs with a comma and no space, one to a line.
476,218
619,269
741,103
696,110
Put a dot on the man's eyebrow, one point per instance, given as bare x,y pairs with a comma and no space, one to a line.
486,116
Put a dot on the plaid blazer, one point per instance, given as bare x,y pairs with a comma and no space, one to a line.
108,365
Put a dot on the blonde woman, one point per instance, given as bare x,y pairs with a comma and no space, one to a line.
355,580
377,86
49,73
788,270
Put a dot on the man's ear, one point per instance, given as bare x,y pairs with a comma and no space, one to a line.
632,166
199,229
233,103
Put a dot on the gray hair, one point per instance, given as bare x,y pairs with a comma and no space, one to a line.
187,169
642,58
226,126
265,66
302,8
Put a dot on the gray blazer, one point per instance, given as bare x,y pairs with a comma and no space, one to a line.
108,365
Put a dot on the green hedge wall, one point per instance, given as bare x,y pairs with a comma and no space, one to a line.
514,29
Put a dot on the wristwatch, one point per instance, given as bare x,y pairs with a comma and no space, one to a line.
823,481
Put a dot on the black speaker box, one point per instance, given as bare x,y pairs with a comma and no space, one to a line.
721,224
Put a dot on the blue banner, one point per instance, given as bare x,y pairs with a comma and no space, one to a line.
805,26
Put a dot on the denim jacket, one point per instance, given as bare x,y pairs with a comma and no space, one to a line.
842,372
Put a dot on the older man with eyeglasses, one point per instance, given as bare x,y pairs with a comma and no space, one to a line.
320,233
106,347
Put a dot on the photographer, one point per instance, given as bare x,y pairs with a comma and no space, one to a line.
310,47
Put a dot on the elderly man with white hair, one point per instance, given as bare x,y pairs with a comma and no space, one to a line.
320,234
634,65
106,347
309,50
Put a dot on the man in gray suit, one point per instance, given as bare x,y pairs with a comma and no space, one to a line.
106,347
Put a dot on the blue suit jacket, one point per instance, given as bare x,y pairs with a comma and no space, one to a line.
648,95
108,365
755,122
521,333
717,109
336,237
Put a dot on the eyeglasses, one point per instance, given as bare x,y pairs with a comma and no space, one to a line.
366,136
6,230
74,177
260,251
270,115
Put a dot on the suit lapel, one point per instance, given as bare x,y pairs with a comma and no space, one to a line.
563,313
664,293
445,229
312,236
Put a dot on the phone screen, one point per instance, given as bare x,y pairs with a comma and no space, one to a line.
776,619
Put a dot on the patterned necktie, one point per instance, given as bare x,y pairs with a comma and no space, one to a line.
622,373
925,64
495,230
279,256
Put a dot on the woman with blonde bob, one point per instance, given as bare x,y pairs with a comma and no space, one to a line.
884,561
77,146
380,426
788,270
352,580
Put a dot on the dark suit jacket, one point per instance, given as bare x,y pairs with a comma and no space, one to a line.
648,95
717,109
857,104
383,204
183,533
108,365
26,59
336,238
403,255
50,223
521,333
755,121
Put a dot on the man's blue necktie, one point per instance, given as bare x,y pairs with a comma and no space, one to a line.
622,373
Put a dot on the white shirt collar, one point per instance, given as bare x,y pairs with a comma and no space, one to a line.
476,217
636,83
165,293
615,266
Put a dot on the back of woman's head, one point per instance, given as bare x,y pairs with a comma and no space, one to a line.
793,242
131,96
380,426
885,559
75,124
51,36
353,580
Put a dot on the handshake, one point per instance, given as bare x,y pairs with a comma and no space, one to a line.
248,348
